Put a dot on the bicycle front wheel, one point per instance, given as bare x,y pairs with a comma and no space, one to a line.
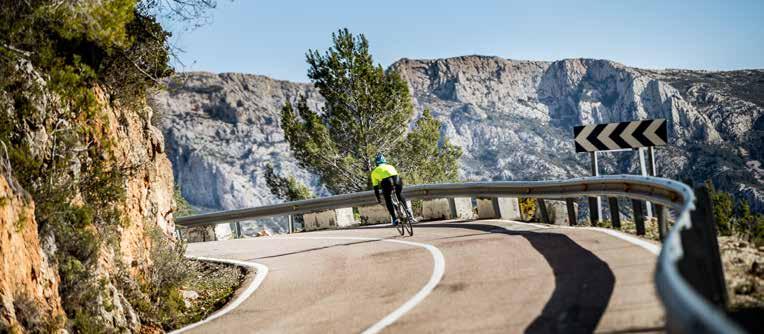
409,228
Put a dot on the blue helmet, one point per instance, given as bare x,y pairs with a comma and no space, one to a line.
380,159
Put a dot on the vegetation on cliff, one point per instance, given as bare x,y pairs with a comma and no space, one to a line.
74,77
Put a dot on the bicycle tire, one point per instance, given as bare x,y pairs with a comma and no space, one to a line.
401,229
409,226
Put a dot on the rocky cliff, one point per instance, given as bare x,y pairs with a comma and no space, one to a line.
105,185
513,119
222,130
29,281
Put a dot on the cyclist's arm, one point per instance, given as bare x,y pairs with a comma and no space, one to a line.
376,193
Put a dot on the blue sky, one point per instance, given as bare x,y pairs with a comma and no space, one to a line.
271,37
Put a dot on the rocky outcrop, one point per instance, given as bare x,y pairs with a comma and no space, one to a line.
148,204
28,278
221,130
513,119
35,268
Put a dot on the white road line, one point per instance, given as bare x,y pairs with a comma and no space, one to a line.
260,272
648,246
439,268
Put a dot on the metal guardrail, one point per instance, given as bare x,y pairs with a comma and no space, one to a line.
687,311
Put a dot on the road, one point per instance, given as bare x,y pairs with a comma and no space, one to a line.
488,276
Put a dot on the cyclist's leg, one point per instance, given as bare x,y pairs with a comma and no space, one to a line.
398,192
387,191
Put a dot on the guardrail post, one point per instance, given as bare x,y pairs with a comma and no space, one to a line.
644,169
662,215
542,209
570,206
639,218
701,264
615,214
290,224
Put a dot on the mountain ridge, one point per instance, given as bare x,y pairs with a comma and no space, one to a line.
513,118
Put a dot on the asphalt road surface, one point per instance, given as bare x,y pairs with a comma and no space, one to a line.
488,276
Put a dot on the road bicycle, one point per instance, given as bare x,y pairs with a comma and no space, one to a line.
405,219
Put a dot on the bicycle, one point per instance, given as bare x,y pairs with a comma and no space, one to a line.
405,219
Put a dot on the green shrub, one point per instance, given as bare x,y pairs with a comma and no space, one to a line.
722,211
528,208
183,208
156,297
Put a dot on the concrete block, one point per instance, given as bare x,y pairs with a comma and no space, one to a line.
486,208
509,208
198,233
558,212
502,207
374,214
436,209
328,219
462,208
345,217
447,208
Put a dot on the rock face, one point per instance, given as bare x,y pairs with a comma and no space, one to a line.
513,119
31,274
28,279
222,130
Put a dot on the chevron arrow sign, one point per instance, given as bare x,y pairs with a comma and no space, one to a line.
617,136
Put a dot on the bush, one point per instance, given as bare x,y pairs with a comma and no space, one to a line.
183,208
749,225
736,218
158,298
528,208
286,188
722,211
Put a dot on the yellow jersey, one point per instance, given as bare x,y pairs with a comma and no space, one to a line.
382,172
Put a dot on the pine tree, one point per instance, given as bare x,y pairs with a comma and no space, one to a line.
367,111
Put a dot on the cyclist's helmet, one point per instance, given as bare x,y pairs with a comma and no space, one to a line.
380,159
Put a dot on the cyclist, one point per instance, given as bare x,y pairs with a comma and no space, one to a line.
386,177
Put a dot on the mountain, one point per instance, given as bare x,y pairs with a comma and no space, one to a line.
513,119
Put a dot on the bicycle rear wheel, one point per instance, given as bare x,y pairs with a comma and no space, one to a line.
399,227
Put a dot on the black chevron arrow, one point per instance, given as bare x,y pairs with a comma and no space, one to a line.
592,138
639,133
616,135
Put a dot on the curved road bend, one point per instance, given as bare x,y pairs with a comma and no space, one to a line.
500,276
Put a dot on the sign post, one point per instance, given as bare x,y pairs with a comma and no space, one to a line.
595,206
622,136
